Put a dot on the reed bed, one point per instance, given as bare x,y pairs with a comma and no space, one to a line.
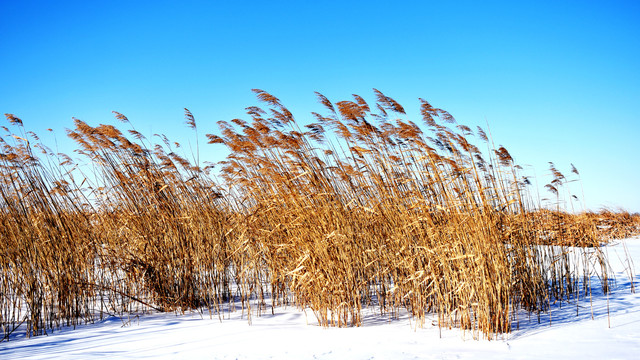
361,208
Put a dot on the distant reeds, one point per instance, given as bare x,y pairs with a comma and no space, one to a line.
361,208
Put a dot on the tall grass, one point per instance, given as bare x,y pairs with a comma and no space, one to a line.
360,208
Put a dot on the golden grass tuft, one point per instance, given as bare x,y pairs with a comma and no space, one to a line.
359,209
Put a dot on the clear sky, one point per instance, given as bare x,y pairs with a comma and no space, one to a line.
556,80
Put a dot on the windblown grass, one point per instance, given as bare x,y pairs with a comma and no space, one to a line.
360,208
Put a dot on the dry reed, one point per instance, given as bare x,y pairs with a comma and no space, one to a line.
358,209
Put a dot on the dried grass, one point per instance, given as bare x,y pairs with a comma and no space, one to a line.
360,209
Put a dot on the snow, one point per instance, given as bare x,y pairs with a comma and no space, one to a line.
290,333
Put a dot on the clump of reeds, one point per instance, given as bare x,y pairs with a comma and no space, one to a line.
362,207
141,230
615,225
365,207
47,247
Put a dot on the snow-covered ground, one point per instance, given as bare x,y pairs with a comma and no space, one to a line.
294,334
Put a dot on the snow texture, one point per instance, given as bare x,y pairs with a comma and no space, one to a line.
290,333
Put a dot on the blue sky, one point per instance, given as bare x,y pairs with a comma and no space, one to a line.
556,81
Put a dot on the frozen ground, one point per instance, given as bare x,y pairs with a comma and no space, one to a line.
292,334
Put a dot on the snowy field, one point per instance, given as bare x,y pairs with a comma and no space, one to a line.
294,334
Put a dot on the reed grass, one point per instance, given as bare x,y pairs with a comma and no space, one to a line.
362,208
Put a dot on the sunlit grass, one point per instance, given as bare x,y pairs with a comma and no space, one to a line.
362,208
